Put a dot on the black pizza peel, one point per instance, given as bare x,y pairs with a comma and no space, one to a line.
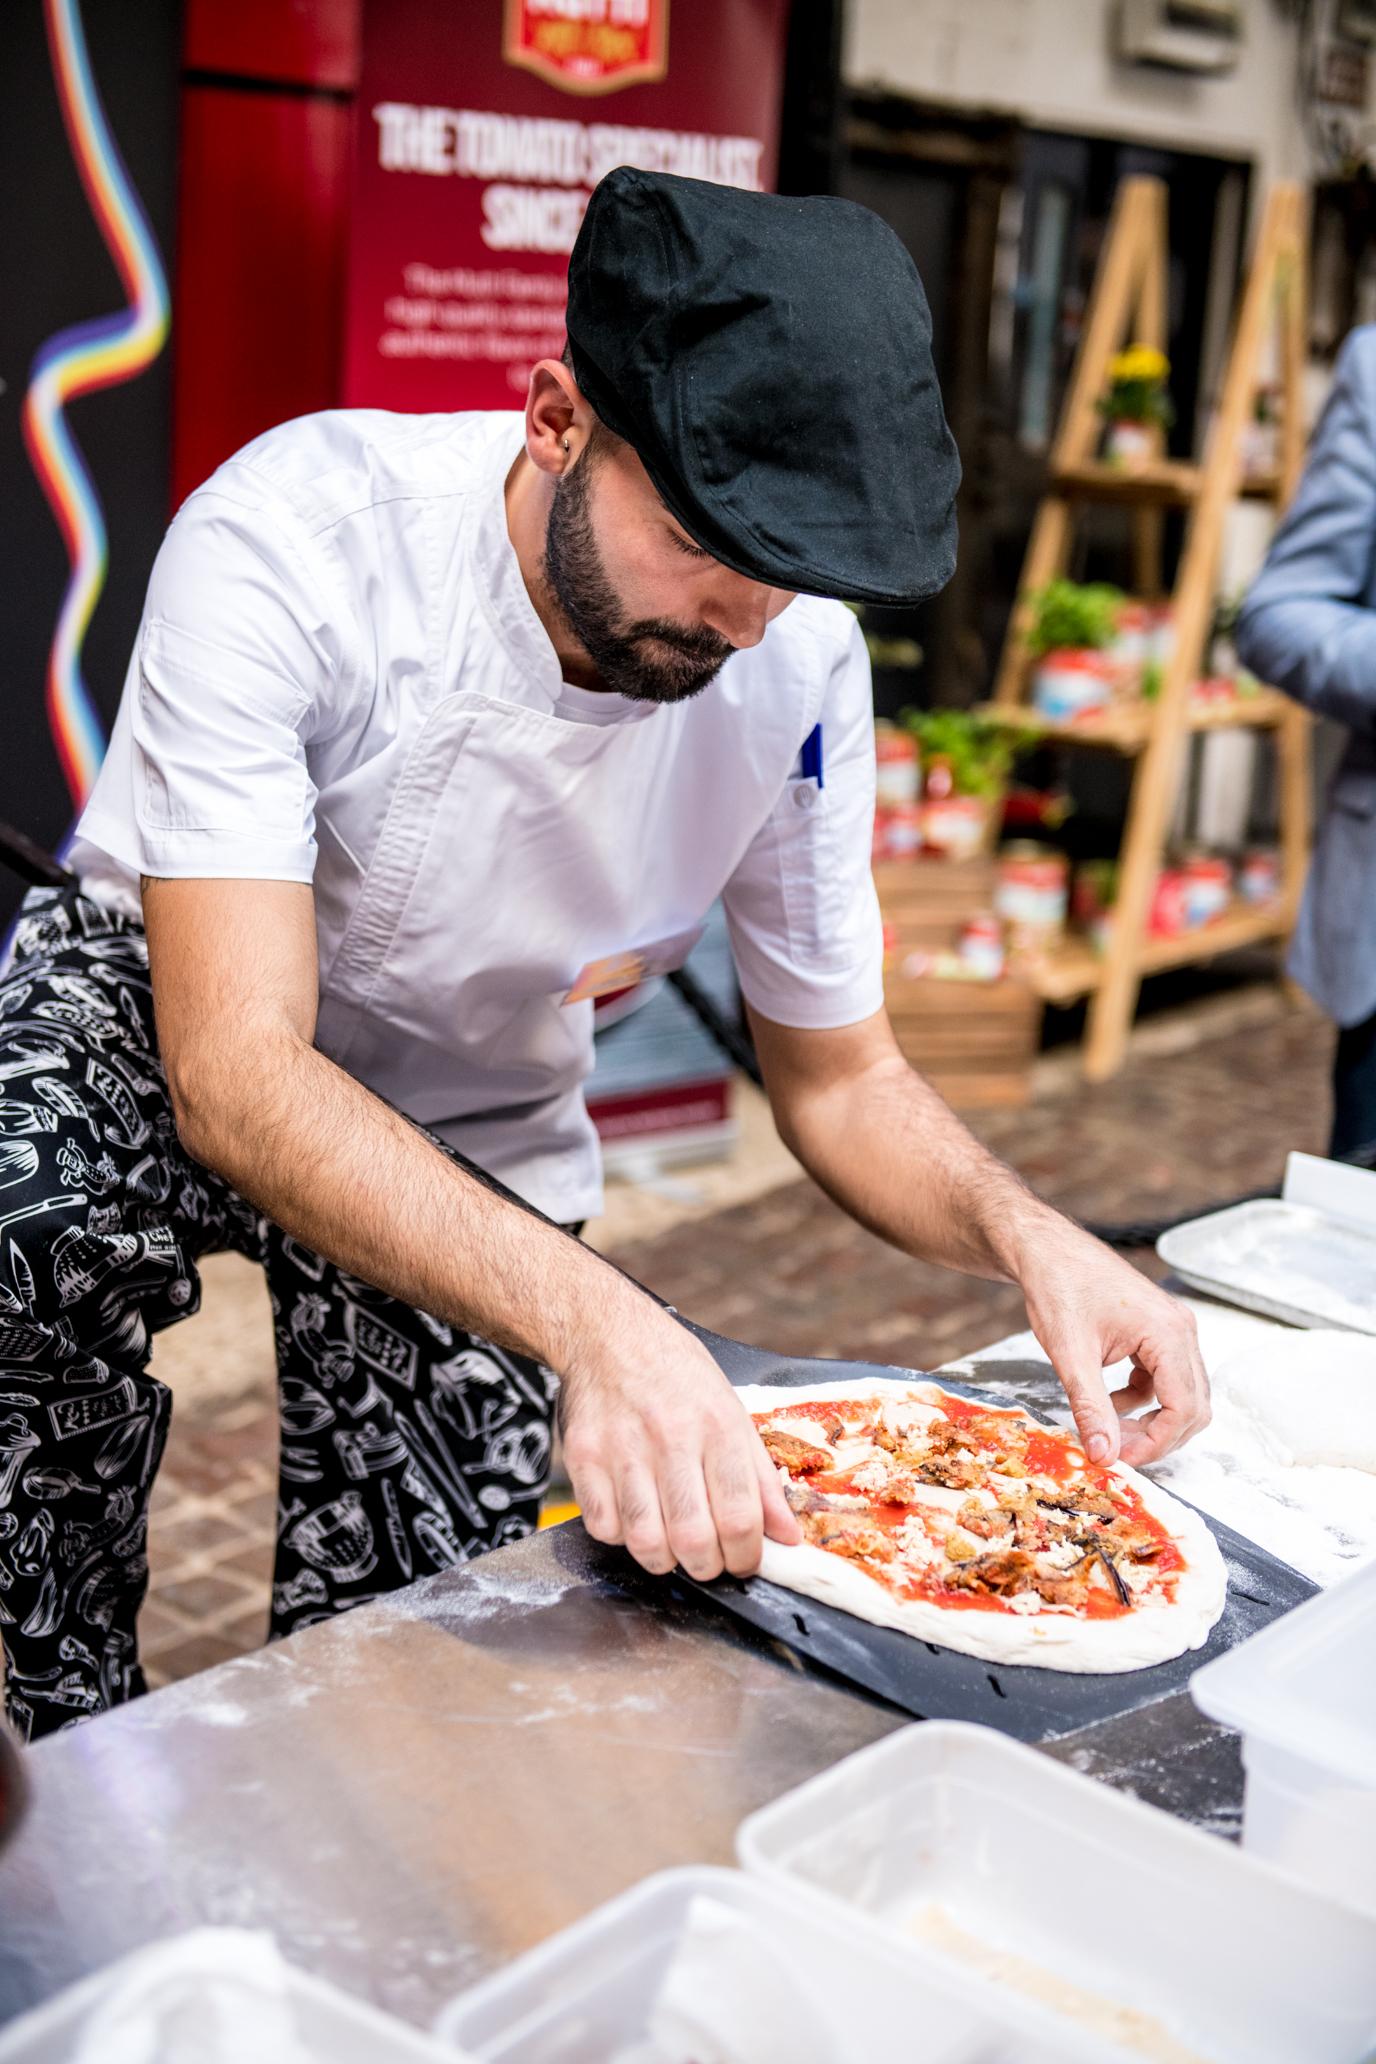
934,1683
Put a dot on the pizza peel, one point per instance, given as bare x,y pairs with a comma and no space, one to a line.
933,1683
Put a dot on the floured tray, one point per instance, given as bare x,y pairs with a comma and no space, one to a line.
1286,1260
934,1683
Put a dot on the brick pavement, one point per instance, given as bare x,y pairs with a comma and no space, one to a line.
792,1272
784,1269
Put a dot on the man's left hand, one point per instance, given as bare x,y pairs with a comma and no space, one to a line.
1090,1309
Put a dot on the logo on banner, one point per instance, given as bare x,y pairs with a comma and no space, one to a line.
588,46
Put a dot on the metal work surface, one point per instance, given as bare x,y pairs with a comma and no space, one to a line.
410,1795
1168,1755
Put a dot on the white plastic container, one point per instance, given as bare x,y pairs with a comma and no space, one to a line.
587,1994
1302,1693
1239,1963
208,1997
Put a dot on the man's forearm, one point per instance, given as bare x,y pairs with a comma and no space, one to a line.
895,1156
885,1146
350,1178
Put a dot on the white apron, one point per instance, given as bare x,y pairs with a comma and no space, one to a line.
446,997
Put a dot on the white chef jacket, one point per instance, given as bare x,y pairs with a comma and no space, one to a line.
340,679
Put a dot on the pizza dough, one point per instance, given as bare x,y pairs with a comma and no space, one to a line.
1309,1397
1151,1633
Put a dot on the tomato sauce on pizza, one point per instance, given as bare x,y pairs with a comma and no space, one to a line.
969,1507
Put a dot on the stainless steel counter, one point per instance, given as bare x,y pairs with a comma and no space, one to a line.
411,1794
408,1796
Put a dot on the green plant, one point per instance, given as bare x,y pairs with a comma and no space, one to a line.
1137,391
1068,616
980,755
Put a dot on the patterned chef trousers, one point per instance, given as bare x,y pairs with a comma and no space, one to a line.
407,1445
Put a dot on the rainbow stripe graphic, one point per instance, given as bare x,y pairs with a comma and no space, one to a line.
79,360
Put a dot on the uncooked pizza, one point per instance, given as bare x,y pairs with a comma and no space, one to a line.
979,1528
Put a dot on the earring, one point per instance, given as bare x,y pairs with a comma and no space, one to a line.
566,444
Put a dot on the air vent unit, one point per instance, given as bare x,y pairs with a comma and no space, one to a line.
1186,35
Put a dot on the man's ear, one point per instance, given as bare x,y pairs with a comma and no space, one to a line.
558,420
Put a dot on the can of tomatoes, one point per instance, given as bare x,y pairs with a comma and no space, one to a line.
980,947
1032,894
1071,684
1208,886
897,772
1169,912
1258,878
897,833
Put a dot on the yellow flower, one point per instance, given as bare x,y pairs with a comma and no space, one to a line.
1140,363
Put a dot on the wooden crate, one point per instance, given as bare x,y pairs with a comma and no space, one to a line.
927,901
974,1041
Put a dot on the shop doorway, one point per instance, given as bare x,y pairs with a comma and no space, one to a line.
1052,225
940,179
1005,224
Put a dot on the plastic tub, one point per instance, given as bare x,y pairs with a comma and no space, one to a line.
176,1979
587,1994
1302,1694
1239,1963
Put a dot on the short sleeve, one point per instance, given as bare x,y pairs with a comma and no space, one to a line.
239,653
801,905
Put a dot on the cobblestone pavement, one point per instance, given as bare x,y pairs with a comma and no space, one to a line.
792,1272
784,1268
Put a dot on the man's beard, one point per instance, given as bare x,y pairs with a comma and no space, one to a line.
649,660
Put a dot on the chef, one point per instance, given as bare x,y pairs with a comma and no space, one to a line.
433,723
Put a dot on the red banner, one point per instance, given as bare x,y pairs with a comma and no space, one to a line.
481,130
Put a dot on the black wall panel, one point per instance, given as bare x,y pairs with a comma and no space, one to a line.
55,270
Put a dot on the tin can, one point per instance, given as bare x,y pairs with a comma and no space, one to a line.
980,947
1161,640
1208,886
1069,684
897,833
955,825
897,774
1132,633
1168,915
1258,878
1032,893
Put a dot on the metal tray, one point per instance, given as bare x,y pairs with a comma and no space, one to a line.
933,1683
1287,1261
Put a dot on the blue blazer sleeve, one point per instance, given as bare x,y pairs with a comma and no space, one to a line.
1308,624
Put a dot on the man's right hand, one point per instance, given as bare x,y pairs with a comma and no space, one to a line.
661,1455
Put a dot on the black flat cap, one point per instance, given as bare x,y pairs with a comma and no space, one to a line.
769,360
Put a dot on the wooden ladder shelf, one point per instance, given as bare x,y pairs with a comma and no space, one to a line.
1129,301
